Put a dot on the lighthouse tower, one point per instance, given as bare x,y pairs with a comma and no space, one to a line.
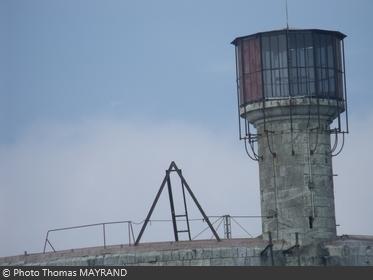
291,102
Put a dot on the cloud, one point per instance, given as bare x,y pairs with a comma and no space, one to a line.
66,174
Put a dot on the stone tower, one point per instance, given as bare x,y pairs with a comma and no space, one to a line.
291,95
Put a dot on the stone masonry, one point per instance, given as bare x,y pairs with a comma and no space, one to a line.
295,168
346,250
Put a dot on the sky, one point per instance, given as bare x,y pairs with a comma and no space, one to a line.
98,97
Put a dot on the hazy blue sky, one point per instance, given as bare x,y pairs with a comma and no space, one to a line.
91,91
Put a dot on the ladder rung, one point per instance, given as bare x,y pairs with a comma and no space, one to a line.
180,215
183,231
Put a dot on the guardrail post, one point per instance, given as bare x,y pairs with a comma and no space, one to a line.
129,233
45,243
103,229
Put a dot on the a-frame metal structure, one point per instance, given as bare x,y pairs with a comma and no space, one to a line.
184,185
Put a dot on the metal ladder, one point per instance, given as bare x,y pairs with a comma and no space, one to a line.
173,168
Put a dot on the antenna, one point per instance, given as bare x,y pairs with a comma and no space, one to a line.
287,14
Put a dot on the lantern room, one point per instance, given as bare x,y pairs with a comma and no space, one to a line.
290,63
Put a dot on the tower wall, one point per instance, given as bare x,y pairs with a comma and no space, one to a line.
295,168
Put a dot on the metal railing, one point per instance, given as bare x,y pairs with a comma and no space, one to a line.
217,222
131,236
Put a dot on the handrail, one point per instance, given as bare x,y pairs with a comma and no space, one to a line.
131,235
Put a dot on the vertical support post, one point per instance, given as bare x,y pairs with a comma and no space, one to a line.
186,209
271,248
172,205
297,245
227,227
263,93
243,84
344,85
129,233
45,243
132,234
238,92
290,92
103,230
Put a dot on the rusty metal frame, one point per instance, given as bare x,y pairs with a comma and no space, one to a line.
269,248
173,168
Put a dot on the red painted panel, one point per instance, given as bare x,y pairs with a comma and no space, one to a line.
252,86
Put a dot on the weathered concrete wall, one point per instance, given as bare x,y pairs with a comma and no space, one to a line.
235,252
296,186
295,169
351,251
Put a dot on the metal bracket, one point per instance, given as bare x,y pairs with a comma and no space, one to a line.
269,248
294,247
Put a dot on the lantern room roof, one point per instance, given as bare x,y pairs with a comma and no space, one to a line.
338,34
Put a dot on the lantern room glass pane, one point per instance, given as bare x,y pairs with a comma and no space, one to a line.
328,66
274,55
282,51
301,63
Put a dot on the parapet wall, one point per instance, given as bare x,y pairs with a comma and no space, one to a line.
234,252
352,251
